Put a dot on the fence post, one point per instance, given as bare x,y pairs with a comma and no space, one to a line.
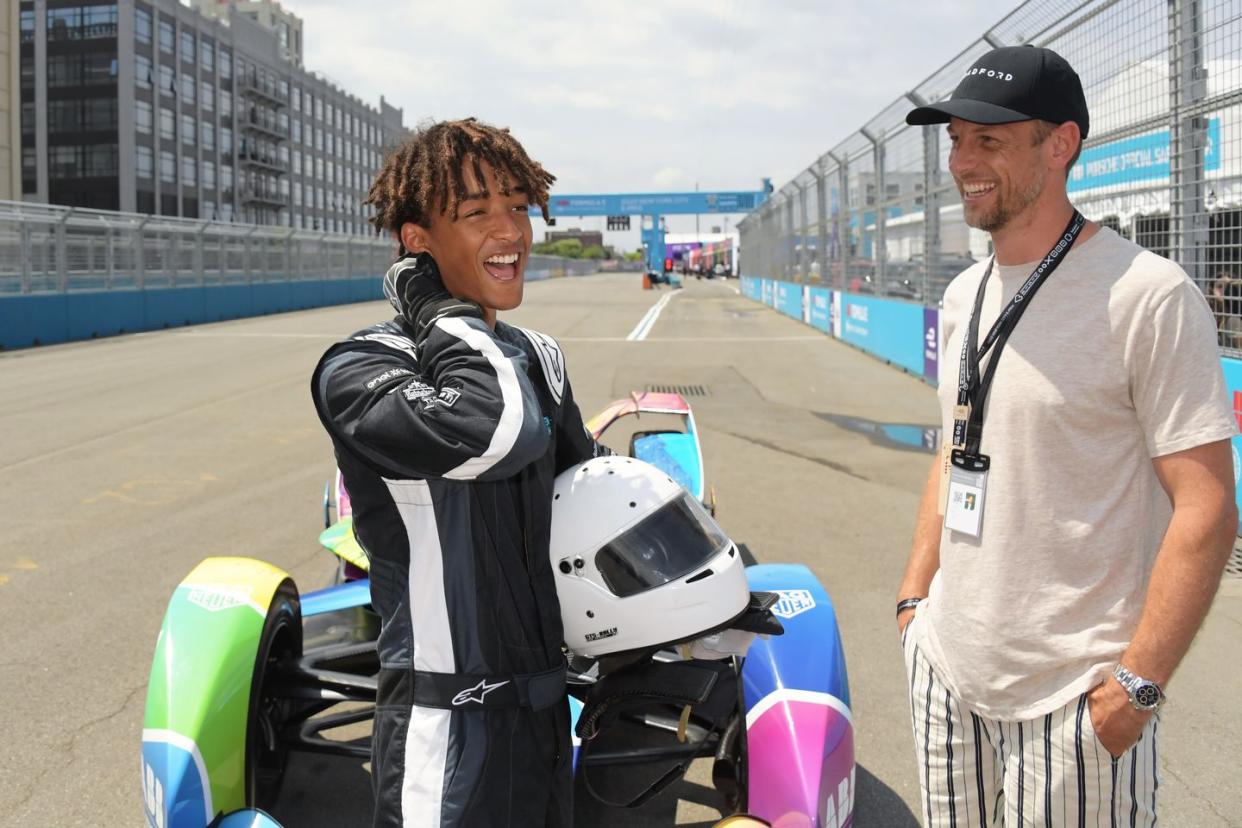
801,236
821,220
843,219
931,203
1188,218
110,257
140,253
199,275
62,252
879,250
27,255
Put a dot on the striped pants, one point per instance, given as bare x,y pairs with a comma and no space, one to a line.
1049,771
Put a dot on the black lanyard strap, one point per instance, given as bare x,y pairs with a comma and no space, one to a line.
974,384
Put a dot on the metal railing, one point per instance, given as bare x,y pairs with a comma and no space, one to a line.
45,248
879,212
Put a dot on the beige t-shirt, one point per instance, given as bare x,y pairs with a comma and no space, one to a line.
1114,362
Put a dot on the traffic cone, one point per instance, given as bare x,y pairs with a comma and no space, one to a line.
646,282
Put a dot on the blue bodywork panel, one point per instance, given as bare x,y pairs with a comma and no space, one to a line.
343,596
809,656
675,454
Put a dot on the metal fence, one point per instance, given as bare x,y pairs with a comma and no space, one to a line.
47,248
879,212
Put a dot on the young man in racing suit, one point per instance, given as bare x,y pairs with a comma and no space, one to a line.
449,428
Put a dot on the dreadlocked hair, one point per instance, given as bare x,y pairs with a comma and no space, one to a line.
422,178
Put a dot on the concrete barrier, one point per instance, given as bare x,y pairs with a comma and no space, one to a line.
43,319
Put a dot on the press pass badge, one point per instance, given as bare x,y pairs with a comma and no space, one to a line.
968,485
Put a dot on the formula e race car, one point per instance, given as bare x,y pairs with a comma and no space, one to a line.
247,670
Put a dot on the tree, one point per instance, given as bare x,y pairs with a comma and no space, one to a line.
595,251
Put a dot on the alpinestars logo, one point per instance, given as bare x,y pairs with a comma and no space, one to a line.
477,693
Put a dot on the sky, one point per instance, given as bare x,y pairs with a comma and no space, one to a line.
645,95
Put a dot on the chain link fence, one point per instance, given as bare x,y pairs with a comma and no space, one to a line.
46,248
52,249
879,213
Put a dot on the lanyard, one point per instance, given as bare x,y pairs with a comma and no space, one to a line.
974,384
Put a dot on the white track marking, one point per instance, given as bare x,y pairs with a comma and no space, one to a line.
649,319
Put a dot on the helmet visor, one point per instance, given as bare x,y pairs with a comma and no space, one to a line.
676,539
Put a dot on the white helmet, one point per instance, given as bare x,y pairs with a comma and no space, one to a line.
638,561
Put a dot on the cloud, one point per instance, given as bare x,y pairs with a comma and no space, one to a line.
640,96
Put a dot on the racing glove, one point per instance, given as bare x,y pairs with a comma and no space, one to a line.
415,289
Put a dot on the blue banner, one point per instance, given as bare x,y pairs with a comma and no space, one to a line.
1233,382
820,303
789,299
891,330
1141,158
654,204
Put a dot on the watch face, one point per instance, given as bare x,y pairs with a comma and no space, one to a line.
1147,695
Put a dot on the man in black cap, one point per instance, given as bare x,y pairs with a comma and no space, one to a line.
1074,530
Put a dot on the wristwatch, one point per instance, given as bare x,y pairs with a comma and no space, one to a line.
1144,695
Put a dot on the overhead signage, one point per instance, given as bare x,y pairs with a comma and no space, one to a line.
659,204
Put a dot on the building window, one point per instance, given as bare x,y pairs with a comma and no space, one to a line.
168,81
142,71
226,102
168,37
80,69
295,99
100,160
297,194
188,87
189,133
142,26
168,124
296,127
209,135
143,118
144,161
297,162
207,55
27,25
226,178
187,46
209,175
207,96
226,63
282,88
226,140
81,23
189,171
168,167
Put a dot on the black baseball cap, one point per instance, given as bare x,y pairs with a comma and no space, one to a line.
1013,83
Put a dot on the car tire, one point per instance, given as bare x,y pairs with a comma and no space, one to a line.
280,641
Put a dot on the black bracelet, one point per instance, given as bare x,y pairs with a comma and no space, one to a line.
907,603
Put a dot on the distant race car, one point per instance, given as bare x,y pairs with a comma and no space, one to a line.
247,669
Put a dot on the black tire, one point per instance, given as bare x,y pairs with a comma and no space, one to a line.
266,754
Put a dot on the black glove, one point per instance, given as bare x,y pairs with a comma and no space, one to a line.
414,287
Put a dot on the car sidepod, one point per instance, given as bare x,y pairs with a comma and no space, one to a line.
799,729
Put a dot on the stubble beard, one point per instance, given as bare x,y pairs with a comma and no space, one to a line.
1005,209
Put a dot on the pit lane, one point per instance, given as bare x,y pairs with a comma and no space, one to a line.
127,460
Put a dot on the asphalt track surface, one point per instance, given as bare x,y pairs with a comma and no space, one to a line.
125,461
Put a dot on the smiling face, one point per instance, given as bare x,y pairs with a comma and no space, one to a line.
1000,170
482,252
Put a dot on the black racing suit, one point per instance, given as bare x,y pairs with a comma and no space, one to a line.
449,456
